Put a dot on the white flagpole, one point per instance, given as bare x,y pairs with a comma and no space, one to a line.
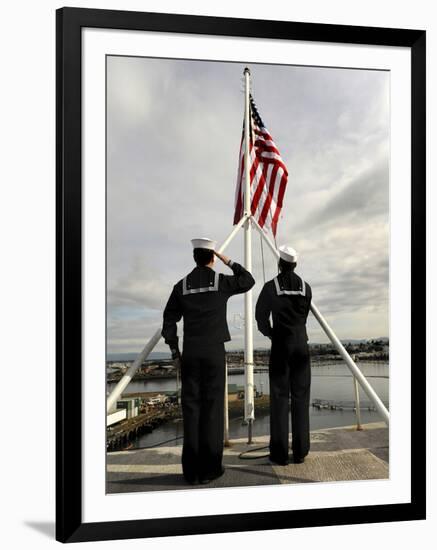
249,405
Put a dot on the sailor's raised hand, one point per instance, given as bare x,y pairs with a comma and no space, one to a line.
222,257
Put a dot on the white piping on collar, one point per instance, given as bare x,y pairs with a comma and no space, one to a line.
280,291
212,288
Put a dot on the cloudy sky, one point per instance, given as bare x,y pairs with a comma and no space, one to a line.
173,136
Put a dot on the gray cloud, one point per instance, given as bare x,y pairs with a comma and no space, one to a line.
174,130
140,287
366,195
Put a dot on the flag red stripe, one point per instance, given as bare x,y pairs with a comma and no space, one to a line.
261,184
281,193
269,198
261,148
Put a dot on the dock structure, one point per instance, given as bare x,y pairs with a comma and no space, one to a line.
123,433
337,454
340,405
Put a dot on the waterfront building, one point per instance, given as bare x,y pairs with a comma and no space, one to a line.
131,405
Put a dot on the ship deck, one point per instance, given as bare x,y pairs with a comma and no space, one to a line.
337,454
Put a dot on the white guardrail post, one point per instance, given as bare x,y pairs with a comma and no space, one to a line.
357,404
226,411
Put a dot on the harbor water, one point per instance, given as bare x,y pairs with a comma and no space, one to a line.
328,382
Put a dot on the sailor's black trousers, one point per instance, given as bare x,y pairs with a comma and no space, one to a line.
202,397
290,377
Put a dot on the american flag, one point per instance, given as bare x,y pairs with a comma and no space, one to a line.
268,175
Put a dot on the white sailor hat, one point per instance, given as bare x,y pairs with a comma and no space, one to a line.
204,243
288,253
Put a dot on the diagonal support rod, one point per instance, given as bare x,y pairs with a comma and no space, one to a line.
123,383
232,233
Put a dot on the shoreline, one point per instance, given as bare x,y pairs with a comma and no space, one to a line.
238,369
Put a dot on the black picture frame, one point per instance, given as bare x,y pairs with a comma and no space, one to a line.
69,525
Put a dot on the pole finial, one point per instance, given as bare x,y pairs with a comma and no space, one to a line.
246,70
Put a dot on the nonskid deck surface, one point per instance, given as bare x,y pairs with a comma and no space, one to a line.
337,454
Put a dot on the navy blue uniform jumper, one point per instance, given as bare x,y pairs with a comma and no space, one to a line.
200,299
287,298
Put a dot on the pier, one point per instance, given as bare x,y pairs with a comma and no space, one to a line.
123,433
337,454
335,405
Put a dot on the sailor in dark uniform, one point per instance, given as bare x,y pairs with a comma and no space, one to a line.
201,298
287,298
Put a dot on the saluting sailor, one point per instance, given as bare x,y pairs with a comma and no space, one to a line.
287,298
201,298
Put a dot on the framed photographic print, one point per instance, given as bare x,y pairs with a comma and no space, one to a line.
240,274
